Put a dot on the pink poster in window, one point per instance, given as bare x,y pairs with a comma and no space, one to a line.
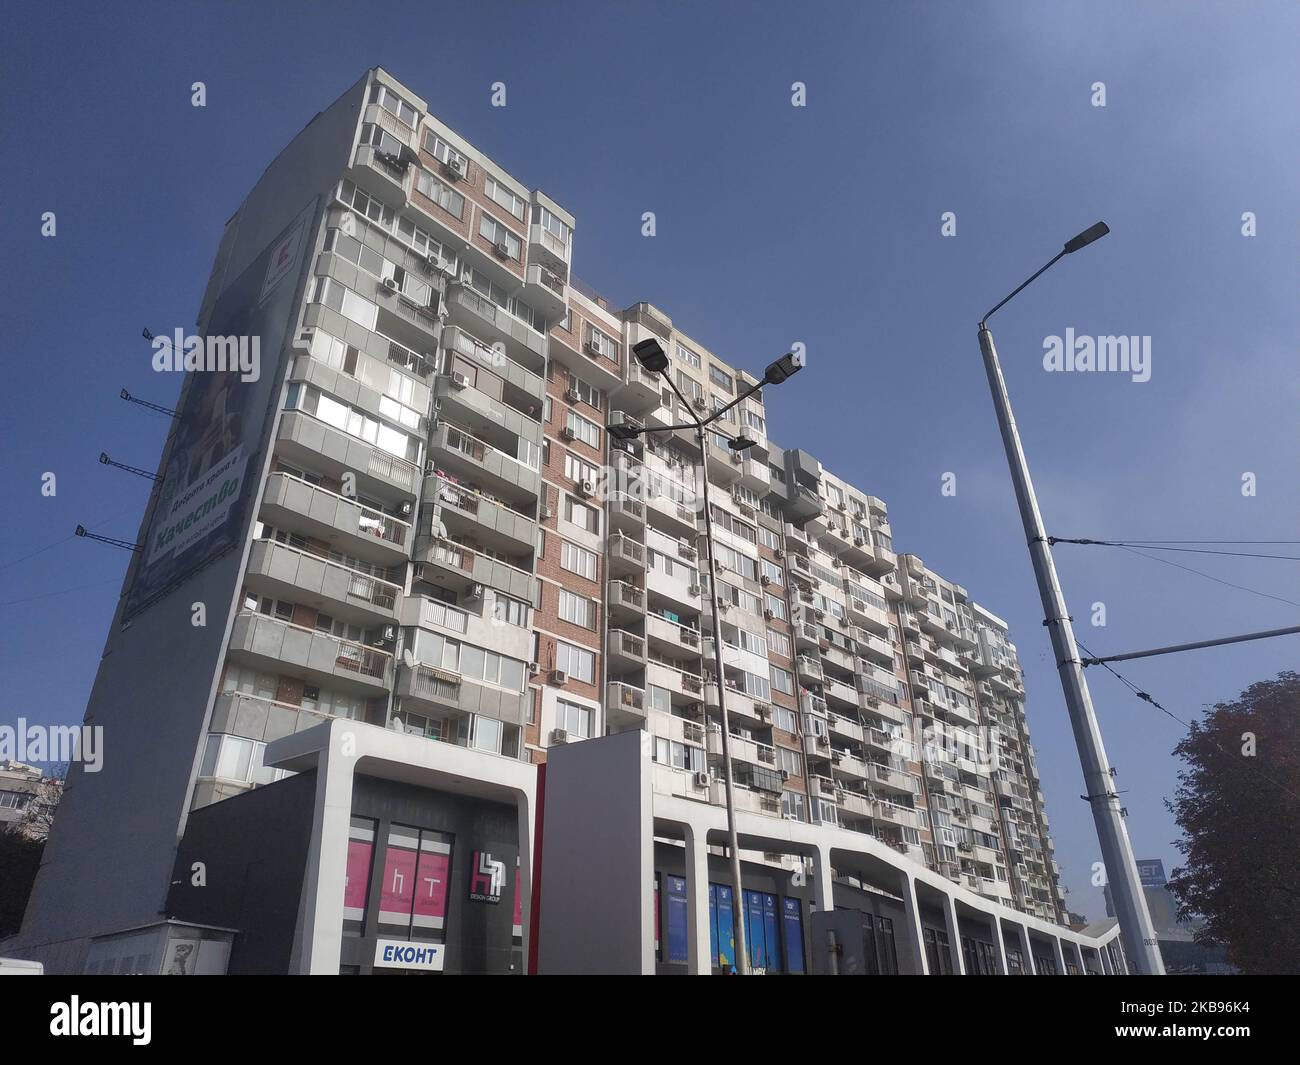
431,882
360,854
398,889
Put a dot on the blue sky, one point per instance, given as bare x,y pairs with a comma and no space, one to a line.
774,224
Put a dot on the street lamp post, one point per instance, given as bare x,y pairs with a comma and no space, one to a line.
653,358
1116,851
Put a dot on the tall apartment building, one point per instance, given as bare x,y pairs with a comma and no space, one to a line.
413,527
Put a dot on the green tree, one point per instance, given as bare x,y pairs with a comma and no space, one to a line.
1238,804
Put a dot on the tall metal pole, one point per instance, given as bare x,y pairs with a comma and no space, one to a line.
1116,851
738,902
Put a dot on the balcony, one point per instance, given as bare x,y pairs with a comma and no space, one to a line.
546,246
546,291
845,727
292,503
626,515
294,575
684,687
455,565
466,512
626,601
893,778
642,390
523,342
625,555
440,693
672,638
625,650
625,707
306,441
271,644
470,458
253,717
809,670
384,176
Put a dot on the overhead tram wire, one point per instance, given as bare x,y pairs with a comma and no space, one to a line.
1151,546
1146,697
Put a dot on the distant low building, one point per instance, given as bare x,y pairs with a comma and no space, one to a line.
1178,946
27,799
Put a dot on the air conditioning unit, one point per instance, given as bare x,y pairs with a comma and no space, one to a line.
694,589
819,614
458,379
390,283
390,633
559,735
858,541
544,513
586,488
432,263
778,552
567,434
571,395
765,580
701,780
699,403
785,775
405,508
474,591
592,348
502,249
737,457
768,615
454,168
558,676
534,668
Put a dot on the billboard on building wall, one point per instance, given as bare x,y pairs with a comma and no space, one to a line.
205,492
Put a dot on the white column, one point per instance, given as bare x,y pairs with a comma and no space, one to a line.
913,915
824,879
526,826
1106,967
1060,955
954,934
699,957
320,937
999,946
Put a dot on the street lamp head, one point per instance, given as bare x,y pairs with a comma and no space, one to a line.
624,430
651,356
783,369
741,443
1086,237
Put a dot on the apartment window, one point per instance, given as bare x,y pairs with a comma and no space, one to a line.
657,698
573,718
577,662
588,394
354,307
790,761
505,197
365,204
582,429
448,199
394,105
496,233
783,719
581,515
577,609
722,379
775,604
578,560
769,539
792,805
511,611
577,469
602,342
688,386
773,572
779,643
356,423
679,755
782,680
445,153
686,355
552,224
